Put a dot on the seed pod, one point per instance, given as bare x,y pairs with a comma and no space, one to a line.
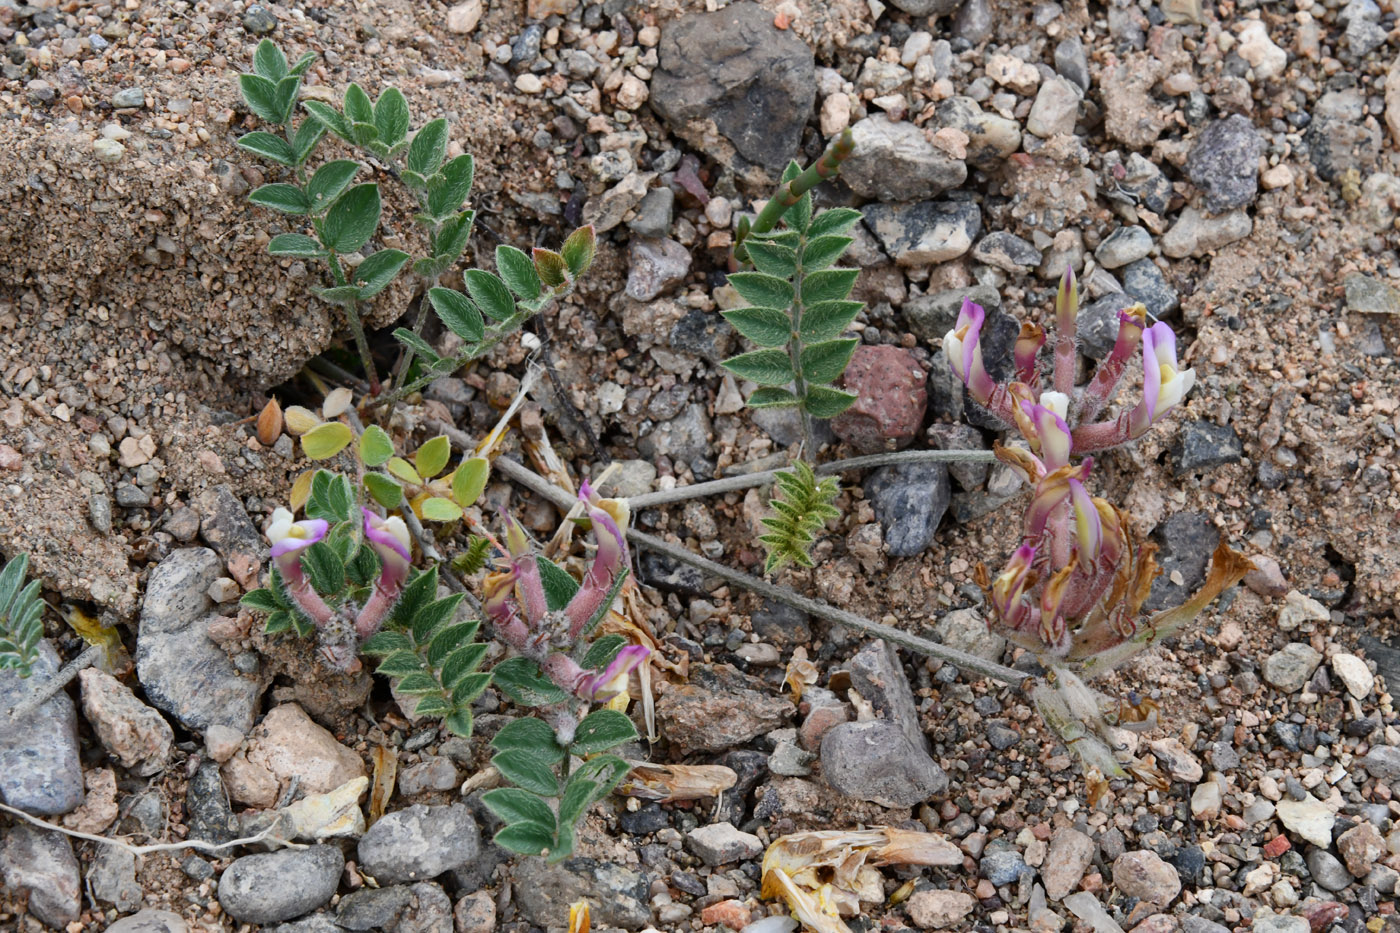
270,423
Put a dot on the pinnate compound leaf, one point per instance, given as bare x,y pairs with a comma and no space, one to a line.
391,116
823,402
522,681
384,643
469,481
772,259
384,490
326,440
767,327
376,447
429,147
828,320
330,182
432,705
834,222
824,362
828,285
420,346
269,62
273,148
761,290
288,199
432,456
772,398
378,270
578,250
518,272
458,313
823,251
765,367
514,805
352,220
531,735
491,295
527,771
601,730
330,118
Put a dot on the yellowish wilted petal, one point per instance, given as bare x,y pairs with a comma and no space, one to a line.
676,782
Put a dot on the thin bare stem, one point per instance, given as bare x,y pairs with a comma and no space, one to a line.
199,844
48,689
968,662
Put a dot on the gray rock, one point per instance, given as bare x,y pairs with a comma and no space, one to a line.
974,21
100,511
1145,282
720,844
1204,445
1007,252
1337,146
39,767
1071,853
1368,295
429,910
129,496
655,266
1224,163
910,501
316,923
1289,669
419,843
1185,542
1266,921
617,895
1122,246
1190,923
224,525
183,671
882,77
1071,62
207,807
967,474
878,676
654,213
258,21
1056,108
875,761
780,624
719,709
683,438
182,524
896,162
276,886
1140,179
112,877
132,732
735,72
1004,867
435,774
926,7
1382,762
925,232
150,921
372,908
991,137
1327,870
41,863
1364,37
128,98
1097,326
966,630
932,316
706,335
1195,234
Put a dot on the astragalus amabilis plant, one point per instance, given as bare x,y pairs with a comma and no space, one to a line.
1072,592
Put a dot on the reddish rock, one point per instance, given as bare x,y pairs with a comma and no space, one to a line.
817,722
893,398
1277,846
1361,848
10,458
731,913
1322,914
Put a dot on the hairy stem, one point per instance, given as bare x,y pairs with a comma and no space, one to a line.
357,327
43,692
809,445
826,166
493,337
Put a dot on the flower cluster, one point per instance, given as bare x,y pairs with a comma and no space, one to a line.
516,603
342,630
1073,589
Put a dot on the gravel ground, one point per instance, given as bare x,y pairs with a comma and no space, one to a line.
1233,166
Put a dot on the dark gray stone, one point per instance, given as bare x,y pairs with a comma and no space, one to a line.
653,217
419,843
1224,163
1204,445
925,232
1145,282
429,910
1003,867
1186,541
932,316
39,767
974,21
372,908
682,438
183,671
780,624
150,921
878,676
1071,63
112,877
926,7
1327,870
276,886
734,71
876,761
704,334
617,895
1006,251
910,501
1097,325
968,474
226,527
1338,146
258,21
40,863
671,576
129,496
894,161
